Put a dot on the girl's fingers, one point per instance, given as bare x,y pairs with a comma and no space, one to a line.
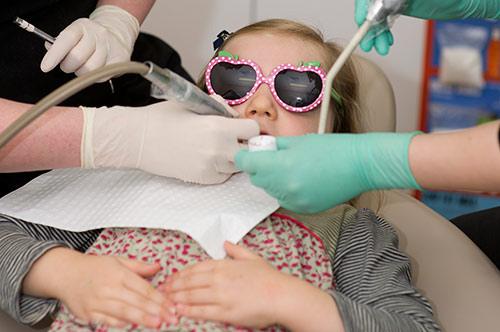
142,269
203,312
129,313
140,286
188,281
238,252
198,296
133,299
100,318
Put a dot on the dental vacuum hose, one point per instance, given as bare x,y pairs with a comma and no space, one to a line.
378,12
165,83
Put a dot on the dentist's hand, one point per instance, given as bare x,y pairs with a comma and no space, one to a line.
164,139
426,9
313,173
106,37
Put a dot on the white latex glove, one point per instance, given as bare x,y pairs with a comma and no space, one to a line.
106,37
164,139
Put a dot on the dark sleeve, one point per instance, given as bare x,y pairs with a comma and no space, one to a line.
21,244
499,136
373,282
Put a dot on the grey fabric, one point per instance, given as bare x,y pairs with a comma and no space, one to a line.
374,291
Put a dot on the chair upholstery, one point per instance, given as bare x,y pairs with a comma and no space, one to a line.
459,280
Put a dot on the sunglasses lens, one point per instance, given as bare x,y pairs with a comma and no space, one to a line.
232,81
298,88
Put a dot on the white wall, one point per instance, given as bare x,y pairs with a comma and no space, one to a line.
191,26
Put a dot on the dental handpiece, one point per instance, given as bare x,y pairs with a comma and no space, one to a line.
378,12
168,85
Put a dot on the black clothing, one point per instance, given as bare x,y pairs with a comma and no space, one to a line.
483,228
23,81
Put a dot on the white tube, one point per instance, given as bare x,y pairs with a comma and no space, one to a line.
346,53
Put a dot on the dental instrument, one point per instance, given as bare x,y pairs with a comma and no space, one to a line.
23,24
379,12
170,86
165,84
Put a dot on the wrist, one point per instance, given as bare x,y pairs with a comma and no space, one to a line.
44,278
318,311
112,137
384,160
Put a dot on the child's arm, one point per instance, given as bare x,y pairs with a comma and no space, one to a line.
21,244
373,277
99,289
37,267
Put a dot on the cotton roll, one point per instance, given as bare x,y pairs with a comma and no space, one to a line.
262,143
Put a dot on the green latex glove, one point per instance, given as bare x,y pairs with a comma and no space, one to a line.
312,173
426,9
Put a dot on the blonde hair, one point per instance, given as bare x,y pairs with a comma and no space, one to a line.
346,115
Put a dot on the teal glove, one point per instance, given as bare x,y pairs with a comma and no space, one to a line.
427,9
313,173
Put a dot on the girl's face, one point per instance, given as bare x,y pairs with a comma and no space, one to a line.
269,51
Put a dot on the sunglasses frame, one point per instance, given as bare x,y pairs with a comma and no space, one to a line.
269,80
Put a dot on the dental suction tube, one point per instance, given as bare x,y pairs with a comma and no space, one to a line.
378,12
170,86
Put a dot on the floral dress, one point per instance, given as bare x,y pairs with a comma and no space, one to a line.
287,244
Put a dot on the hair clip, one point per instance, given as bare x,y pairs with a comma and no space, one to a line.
336,96
221,37
228,55
309,63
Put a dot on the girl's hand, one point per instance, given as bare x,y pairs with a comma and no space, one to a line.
112,291
241,291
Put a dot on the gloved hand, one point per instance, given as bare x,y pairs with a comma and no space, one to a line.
426,9
312,173
164,139
106,37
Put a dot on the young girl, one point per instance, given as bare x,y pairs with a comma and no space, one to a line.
338,270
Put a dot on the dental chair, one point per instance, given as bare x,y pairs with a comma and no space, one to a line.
458,279
462,284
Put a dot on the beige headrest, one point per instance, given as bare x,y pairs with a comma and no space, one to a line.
377,103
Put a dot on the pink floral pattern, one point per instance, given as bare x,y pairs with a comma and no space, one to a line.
285,243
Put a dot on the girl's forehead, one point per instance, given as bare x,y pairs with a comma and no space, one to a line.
270,50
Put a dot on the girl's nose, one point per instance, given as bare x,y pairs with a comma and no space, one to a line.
262,105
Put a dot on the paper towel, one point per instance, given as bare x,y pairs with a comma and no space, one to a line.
80,200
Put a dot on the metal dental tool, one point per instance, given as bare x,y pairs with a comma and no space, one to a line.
168,85
379,11
31,28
